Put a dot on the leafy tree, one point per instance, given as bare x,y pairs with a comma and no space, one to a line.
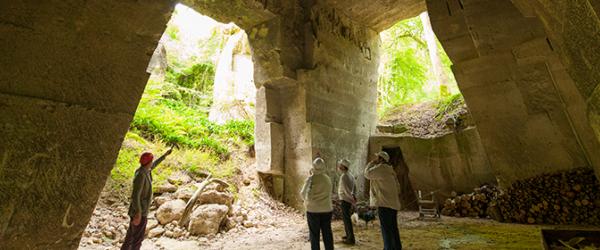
406,68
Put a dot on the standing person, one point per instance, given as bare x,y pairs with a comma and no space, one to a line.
141,197
384,193
316,193
346,195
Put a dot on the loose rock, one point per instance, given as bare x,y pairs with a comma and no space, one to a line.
216,197
206,219
156,232
165,188
171,210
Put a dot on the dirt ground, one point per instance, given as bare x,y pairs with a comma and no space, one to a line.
277,226
447,233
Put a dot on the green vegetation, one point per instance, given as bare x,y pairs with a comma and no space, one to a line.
172,121
449,104
192,161
199,76
406,73
173,111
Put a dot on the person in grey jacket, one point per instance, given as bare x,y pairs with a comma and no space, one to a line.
316,193
141,197
346,195
384,193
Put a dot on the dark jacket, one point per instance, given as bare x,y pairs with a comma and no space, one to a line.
141,196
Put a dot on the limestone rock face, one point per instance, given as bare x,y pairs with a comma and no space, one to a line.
206,219
234,90
170,211
216,197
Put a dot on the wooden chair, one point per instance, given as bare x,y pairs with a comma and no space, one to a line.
428,208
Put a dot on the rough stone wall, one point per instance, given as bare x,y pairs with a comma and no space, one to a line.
277,53
379,14
341,92
530,116
72,75
454,162
316,79
573,27
245,13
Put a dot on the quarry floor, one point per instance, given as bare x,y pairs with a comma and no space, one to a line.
447,233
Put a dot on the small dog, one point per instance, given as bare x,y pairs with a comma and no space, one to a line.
363,213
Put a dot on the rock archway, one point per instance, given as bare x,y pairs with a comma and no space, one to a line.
73,72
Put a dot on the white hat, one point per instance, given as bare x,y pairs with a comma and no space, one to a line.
344,163
318,164
383,155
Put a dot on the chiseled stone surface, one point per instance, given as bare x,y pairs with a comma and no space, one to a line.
529,113
454,162
72,75
73,72
379,14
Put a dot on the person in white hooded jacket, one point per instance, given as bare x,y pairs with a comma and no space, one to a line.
316,193
384,193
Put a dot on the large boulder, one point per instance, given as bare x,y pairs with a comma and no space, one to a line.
206,219
170,211
216,197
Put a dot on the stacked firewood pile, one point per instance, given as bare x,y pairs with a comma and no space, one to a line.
471,205
571,197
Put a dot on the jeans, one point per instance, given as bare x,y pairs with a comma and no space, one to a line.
346,213
389,228
320,222
135,235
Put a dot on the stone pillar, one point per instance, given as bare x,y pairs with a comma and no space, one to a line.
72,75
276,55
269,137
319,70
529,114
340,90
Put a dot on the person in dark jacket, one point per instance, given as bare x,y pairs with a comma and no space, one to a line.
141,197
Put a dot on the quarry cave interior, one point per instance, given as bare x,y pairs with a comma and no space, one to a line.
527,157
